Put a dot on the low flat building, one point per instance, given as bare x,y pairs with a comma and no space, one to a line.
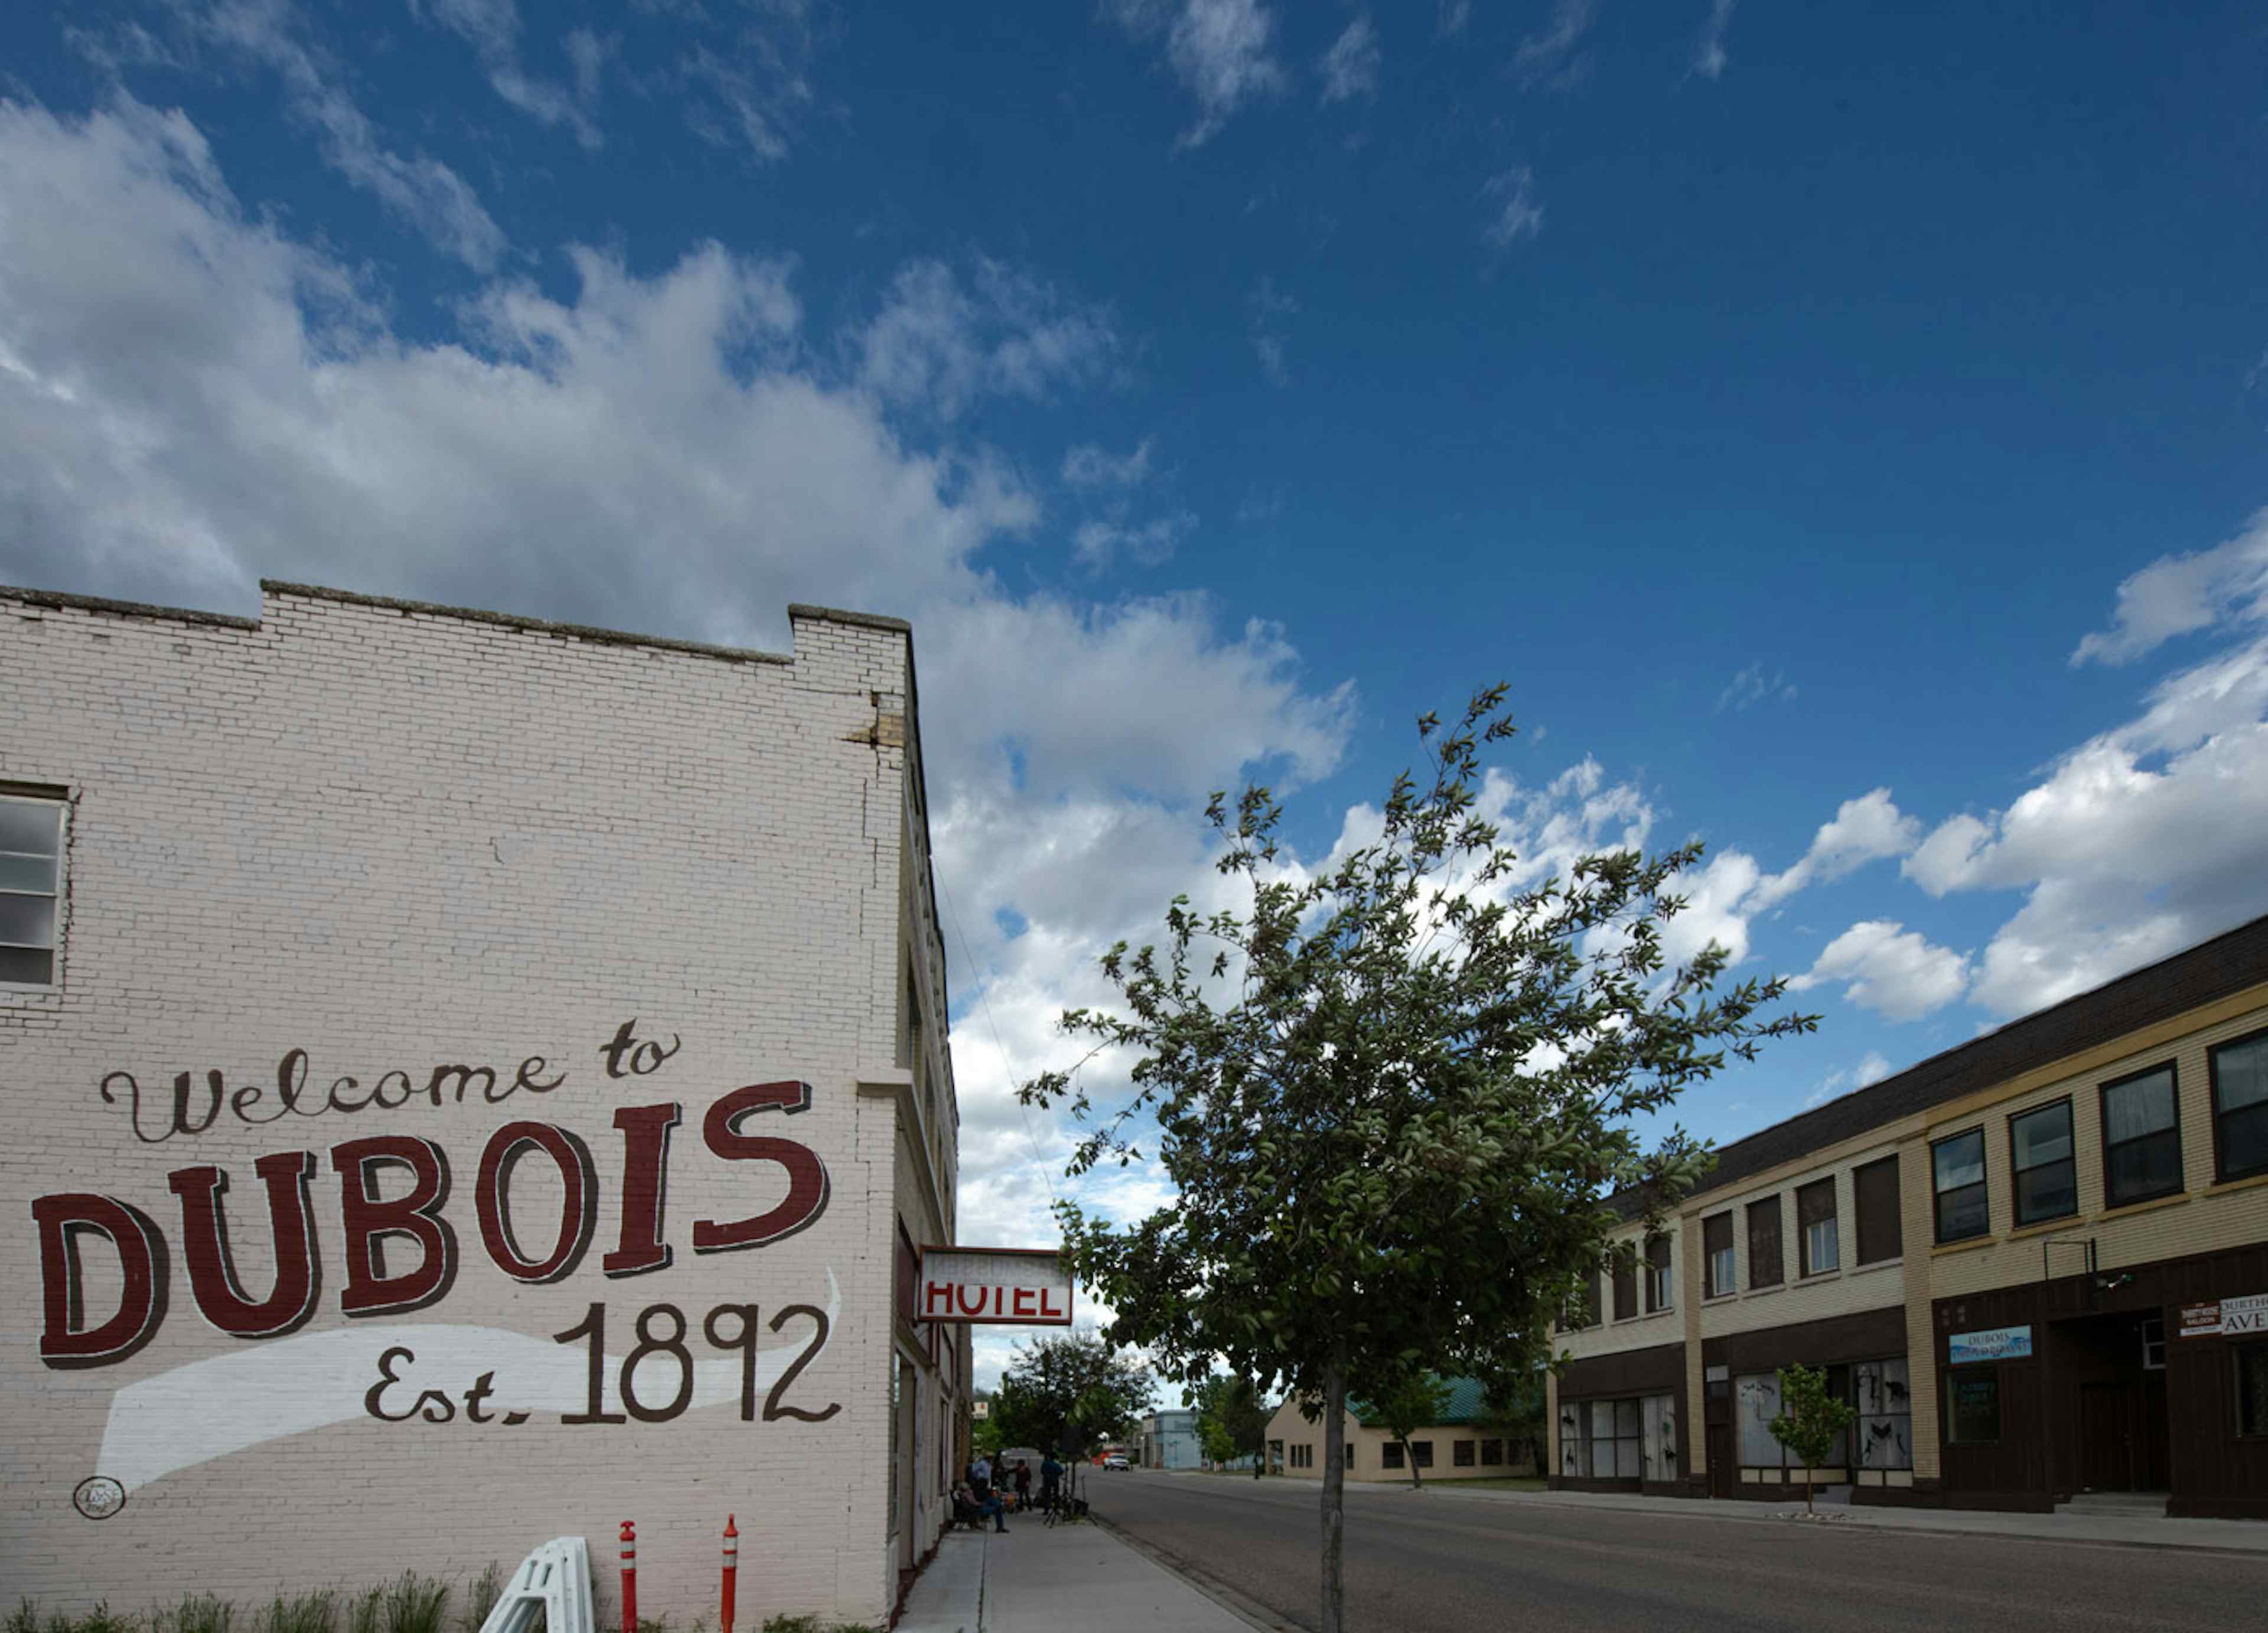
2036,1265
474,1080
1460,1444
1168,1439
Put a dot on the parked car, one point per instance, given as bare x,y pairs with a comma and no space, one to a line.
1117,1459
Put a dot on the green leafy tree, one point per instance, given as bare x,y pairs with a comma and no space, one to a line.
1810,1420
1407,1404
1068,1393
984,1437
1514,1409
1393,1094
1231,1419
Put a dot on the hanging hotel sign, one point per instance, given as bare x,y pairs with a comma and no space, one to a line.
2226,1317
1992,1343
994,1286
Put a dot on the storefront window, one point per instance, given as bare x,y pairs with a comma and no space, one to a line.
2251,1388
1755,1398
1958,1167
1973,1409
1571,1440
1885,1425
1661,1438
2046,1183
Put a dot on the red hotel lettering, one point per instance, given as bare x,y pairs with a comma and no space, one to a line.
936,1293
220,1297
1046,1311
370,1220
807,1185
1023,1301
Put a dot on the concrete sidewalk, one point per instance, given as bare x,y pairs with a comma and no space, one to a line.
2243,1536
1036,1580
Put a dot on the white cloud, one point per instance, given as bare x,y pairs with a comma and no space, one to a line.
1455,15
491,28
1709,58
1088,467
1350,68
2178,595
425,192
1095,543
1872,1070
940,342
1552,54
1512,194
2141,841
1865,830
1270,308
1890,969
1218,49
1751,686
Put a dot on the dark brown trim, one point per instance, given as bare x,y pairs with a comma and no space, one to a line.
2212,1099
2015,1191
2172,1069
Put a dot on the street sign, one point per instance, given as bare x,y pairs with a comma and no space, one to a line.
2201,1321
2238,1317
993,1286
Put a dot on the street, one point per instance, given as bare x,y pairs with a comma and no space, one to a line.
1427,1563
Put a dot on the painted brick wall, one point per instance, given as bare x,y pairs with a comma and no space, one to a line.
398,838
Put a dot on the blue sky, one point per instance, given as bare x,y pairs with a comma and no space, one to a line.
1843,427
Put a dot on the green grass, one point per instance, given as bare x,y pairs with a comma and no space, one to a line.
415,1604
481,1596
809,1623
199,1613
309,1612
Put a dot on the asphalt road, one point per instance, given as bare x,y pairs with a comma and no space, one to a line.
1417,1563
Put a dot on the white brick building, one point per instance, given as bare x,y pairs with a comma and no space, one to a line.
409,992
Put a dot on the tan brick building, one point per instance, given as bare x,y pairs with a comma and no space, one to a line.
1462,1446
2036,1264
473,1080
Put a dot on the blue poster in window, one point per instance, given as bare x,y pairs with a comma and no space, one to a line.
1993,1344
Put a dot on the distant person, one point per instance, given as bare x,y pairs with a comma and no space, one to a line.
1023,1483
980,1476
966,1509
1051,1474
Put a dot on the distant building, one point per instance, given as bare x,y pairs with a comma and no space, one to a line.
1456,1447
1168,1440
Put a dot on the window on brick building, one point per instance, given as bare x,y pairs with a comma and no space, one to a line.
1492,1453
2141,1138
1874,1194
1626,1288
1660,1280
1461,1452
1390,1454
1764,1242
1421,1453
2044,1180
31,887
1717,1269
1816,1236
2239,1071
1957,1173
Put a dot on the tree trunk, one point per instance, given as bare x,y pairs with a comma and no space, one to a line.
1807,1493
1416,1474
1334,1608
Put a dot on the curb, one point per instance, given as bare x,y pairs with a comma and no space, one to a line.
1240,1604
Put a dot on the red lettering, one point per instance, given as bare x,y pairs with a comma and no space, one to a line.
961,1298
1048,1312
807,1186
369,1219
645,1188
1023,1301
934,1293
578,1201
221,1298
64,1218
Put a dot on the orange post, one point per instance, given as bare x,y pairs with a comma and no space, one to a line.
629,1577
732,1570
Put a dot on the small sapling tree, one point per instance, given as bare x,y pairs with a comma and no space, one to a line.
1810,1420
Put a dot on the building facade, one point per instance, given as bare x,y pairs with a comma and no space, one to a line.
2037,1266
1168,1439
475,1080
1461,1445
